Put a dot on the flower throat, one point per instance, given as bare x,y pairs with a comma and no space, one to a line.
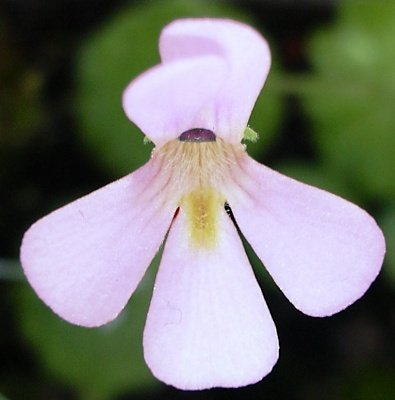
201,165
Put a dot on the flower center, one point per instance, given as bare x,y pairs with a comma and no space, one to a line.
200,167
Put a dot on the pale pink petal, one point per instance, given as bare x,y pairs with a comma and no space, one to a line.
248,59
322,251
208,324
170,99
85,259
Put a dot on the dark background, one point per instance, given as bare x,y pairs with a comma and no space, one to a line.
48,157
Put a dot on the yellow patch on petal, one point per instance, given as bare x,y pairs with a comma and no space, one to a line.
202,208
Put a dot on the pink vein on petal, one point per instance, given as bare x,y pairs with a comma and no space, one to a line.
208,324
247,56
170,99
323,251
85,259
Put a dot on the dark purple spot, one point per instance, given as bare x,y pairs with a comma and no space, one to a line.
197,135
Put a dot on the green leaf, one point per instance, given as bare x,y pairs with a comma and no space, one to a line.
120,50
10,270
316,175
98,362
373,382
388,225
353,115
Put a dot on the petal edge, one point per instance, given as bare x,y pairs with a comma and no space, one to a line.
208,324
85,259
321,250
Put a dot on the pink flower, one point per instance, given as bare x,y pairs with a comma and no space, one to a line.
208,324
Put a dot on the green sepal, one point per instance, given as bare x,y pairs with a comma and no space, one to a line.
147,140
250,135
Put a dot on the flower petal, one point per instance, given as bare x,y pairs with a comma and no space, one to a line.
170,99
248,59
208,324
322,251
85,259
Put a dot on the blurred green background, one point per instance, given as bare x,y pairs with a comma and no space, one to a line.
326,117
